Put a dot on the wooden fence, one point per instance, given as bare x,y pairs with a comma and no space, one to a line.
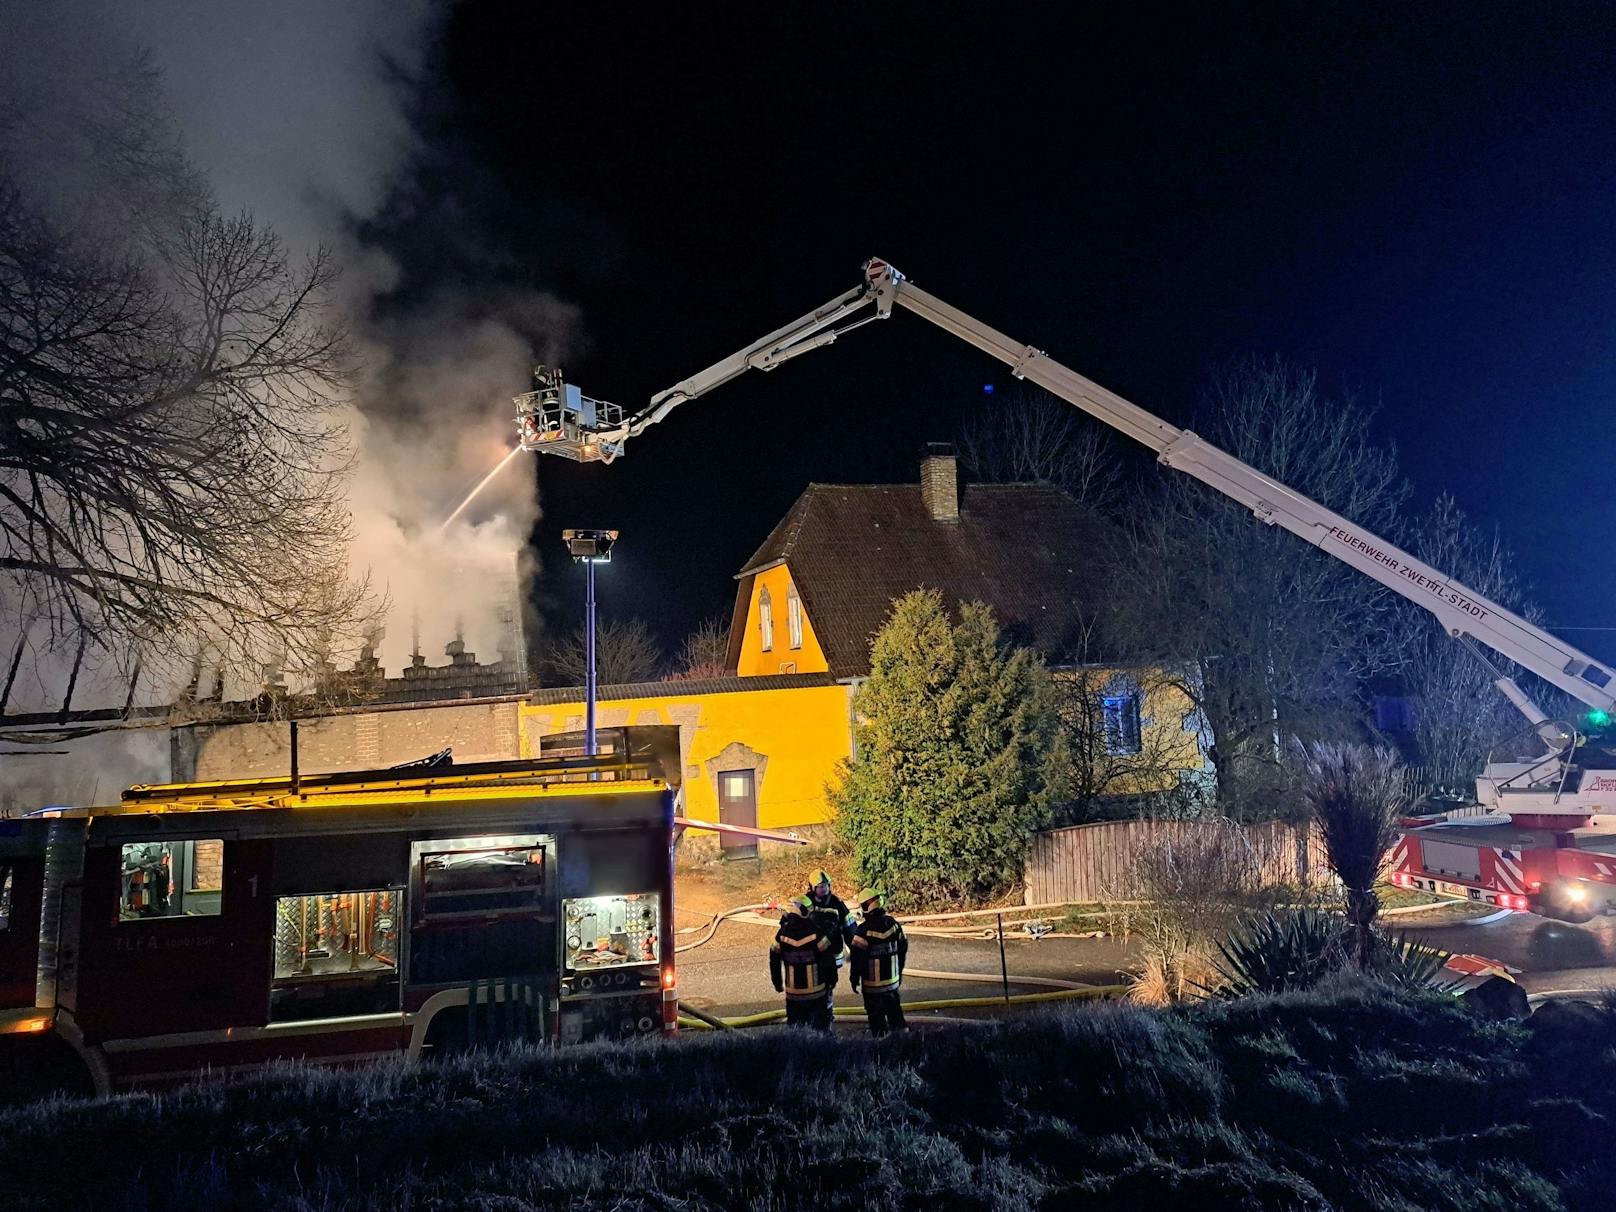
1086,863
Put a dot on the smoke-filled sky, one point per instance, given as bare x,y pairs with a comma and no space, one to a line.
302,113
1413,200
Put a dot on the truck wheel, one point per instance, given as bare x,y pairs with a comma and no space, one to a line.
446,1033
38,1067
1559,911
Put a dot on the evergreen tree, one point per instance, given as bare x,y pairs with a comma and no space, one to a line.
954,738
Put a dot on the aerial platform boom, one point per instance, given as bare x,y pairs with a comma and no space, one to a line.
1464,614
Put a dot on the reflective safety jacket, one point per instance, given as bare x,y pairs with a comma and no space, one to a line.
836,920
879,952
800,959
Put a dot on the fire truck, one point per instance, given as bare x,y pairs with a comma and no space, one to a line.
1541,846
339,917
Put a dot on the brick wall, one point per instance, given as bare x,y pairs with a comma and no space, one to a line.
478,732
939,486
207,866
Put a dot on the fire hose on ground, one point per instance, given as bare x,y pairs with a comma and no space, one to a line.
1059,990
1056,989
697,1020
711,928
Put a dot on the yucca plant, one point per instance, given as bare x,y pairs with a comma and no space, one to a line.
1355,793
1410,963
1279,951
1289,949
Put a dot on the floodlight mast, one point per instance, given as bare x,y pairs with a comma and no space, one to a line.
1462,612
589,547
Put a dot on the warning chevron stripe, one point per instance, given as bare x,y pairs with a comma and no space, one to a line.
1508,871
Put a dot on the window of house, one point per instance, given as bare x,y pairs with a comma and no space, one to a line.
171,879
794,617
5,897
1121,712
336,953
766,618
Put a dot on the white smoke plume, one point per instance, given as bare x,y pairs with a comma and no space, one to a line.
298,112
446,373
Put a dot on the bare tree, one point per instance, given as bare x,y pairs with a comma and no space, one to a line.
170,470
1030,435
1458,713
1115,754
704,653
1268,637
624,652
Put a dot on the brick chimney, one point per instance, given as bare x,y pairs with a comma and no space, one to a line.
939,482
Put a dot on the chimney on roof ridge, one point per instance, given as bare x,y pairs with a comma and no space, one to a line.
939,482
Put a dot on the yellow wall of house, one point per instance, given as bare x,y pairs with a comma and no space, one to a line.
1164,711
1169,742
791,738
754,662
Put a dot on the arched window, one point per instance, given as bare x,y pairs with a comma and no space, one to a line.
766,618
794,617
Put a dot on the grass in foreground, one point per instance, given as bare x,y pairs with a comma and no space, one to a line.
1356,1100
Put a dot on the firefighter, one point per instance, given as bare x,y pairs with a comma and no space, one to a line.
834,918
801,966
879,952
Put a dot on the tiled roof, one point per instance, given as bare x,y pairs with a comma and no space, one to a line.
1028,550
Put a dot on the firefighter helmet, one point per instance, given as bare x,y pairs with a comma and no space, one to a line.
818,878
869,896
799,904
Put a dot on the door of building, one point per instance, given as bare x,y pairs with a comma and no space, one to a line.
737,805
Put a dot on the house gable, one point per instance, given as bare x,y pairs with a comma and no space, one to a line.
791,648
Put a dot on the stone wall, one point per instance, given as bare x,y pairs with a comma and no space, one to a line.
478,732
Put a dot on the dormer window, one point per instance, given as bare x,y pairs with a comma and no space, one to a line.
794,618
766,618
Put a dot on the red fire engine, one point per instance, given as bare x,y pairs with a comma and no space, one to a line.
1562,866
339,917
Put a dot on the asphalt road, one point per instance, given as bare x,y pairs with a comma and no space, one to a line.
1550,955
729,976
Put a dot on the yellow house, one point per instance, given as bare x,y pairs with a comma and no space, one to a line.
757,752
813,595
761,747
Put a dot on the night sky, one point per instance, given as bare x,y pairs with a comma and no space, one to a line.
1415,200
